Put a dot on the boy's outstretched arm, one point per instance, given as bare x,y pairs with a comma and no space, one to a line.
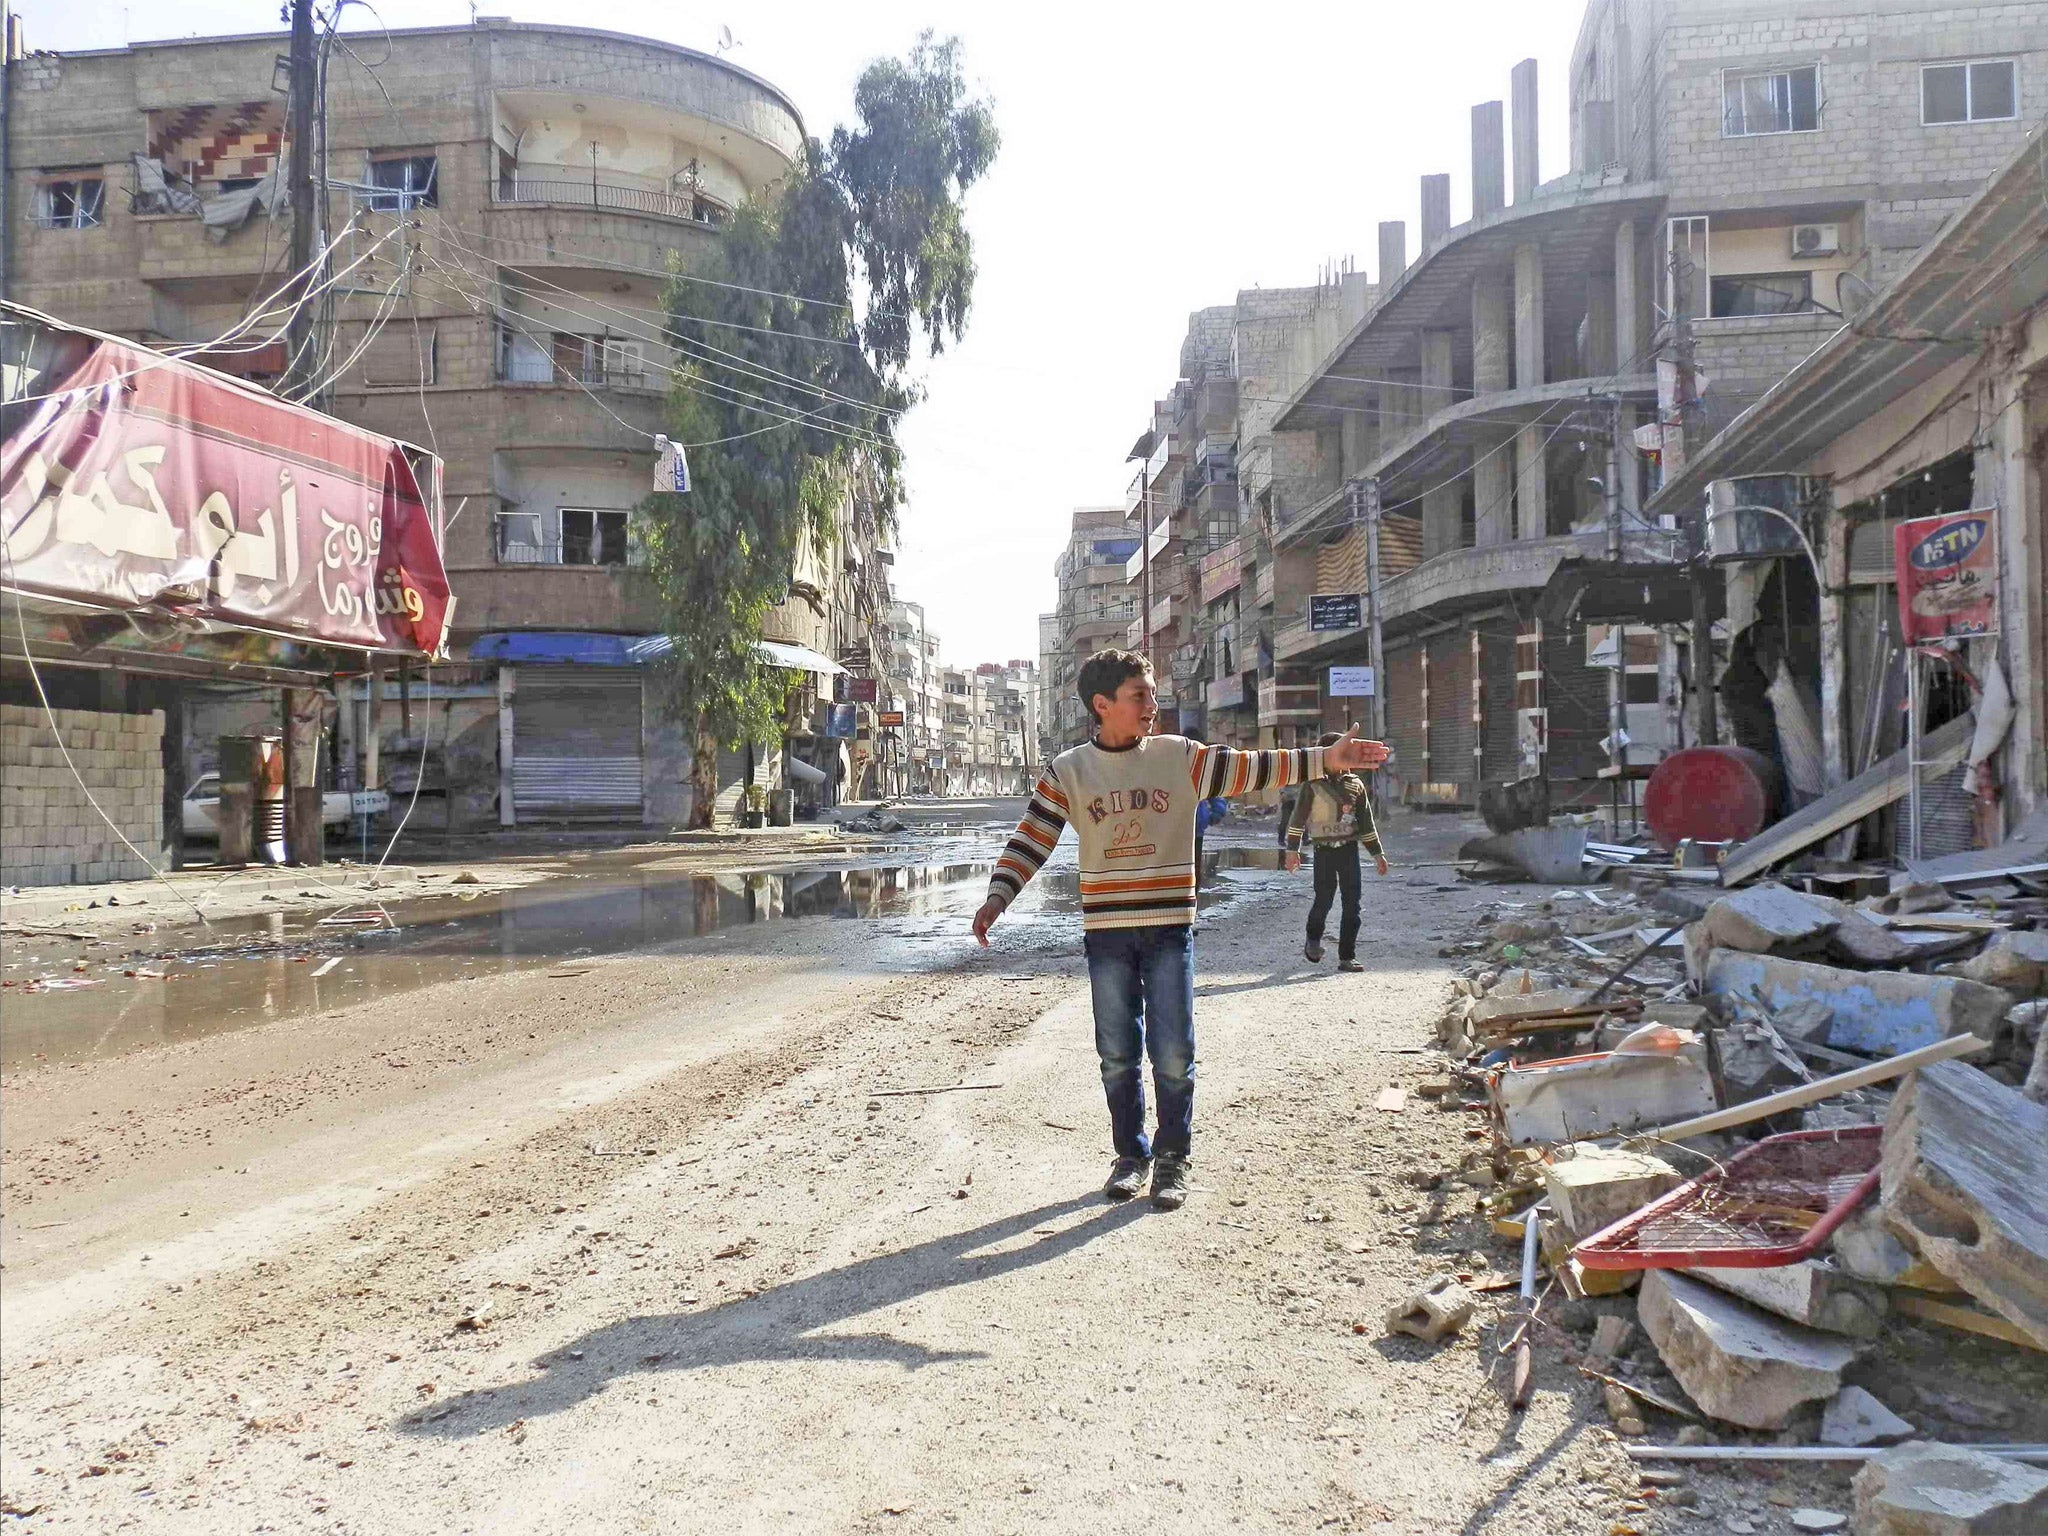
1225,771
1029,847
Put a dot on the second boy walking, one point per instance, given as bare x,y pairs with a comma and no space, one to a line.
1334,815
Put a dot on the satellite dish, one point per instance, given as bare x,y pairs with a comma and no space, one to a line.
726,41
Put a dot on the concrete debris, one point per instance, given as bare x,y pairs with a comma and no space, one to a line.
1806,1022
1433,1313
2036,1089
1579,1097
1965,1185
2015,961
1914,896
1621,1408
1923,1488
1554,854
1880,1013
1857,1418
1810,1292
1611,1336
1865,1248
1736,1362
1769,919
1817,1520
1525,930
1755,1062
877,820
1860,941
1595,1187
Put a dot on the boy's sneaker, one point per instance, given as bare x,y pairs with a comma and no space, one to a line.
1349,965
1312,951
1170,1183
1126,1178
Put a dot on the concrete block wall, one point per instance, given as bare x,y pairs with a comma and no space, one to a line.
49,832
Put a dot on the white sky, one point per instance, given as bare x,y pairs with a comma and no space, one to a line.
1156,159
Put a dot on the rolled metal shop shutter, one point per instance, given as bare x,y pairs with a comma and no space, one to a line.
1404,712
1450,714
1502,753
576,742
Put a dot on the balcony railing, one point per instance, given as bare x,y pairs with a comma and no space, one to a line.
613,197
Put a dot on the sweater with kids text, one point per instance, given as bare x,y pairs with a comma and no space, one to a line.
1133,811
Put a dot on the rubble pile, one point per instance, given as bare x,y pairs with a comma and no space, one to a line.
1784,1152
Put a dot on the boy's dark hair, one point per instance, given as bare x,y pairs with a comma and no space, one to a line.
1107,671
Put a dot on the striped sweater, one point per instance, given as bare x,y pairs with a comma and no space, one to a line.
1133,810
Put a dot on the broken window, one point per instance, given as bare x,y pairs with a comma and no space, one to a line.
1762,293
71,202
1770,101
522,359
591,536
401,183
1982,92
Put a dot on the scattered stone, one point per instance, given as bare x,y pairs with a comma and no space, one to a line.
1805,1022
1817,1520
1611,1337
1865,1247
1810,1292
2013,960
467,877
1736,1362
1965,1168
1596,1187
1768,919
1433,1313
1621,1408
1857,1418
1756,1063
1927,1489
1861,941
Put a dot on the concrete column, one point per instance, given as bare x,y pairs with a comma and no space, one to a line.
1625,312
1631,488
1436,209
1489,160
1438,349
2008,476
1443,519
1532,481
1493,490
1528,316
1492,333
1599,356
1522,104
1393,252
1401,406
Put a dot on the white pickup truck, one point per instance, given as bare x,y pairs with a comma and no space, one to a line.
338,807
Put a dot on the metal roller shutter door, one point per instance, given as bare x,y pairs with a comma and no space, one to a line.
1502,757
1450,710
1575,698
576,742
1404,712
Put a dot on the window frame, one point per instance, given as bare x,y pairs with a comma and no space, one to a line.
1969,68
1808,305
81,216
597,516
379,198
1733,77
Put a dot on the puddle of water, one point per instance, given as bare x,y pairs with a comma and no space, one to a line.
279,966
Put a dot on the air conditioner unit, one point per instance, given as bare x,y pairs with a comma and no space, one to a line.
1744,520
1816,239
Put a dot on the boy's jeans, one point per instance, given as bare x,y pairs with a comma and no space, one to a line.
1143,980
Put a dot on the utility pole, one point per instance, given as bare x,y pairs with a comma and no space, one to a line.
1706,722
1617,680
1369,509
300,368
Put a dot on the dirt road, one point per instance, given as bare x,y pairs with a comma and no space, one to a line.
659,1242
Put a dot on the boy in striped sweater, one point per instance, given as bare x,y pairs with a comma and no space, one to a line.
1131,799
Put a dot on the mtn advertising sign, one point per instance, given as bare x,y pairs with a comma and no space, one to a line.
1948,575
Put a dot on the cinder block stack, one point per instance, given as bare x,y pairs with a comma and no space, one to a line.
49,832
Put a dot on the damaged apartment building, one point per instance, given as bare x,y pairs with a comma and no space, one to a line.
1427,474
503,206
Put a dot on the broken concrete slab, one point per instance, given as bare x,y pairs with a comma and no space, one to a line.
1860,941
1806,1022
1755,1062
1965,1185
1736,1361
1439,1309
1924,1488
1578,1097
1597,1186
1769,919
1857,1418
2013,960
1880,1013
1817,1520
1812,1292
1555,855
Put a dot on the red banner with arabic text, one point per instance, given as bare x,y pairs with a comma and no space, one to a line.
131,481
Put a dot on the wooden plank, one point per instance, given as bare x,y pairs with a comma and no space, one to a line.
1826,1088
1844,807
1969,1319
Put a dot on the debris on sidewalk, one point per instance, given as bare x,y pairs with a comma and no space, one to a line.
1857,1418
1438,1310
1929,1489
1594,1187
1734,1360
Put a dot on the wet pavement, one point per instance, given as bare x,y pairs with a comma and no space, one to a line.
71,1001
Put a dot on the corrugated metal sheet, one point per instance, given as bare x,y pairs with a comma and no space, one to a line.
576,742
1450,710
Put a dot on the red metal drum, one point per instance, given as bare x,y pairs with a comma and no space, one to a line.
1710,794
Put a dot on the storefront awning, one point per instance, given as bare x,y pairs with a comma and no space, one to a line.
798,658
576,648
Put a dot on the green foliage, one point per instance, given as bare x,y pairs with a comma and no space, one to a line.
790,403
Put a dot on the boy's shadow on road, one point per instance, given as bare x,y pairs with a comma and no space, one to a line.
780,1324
